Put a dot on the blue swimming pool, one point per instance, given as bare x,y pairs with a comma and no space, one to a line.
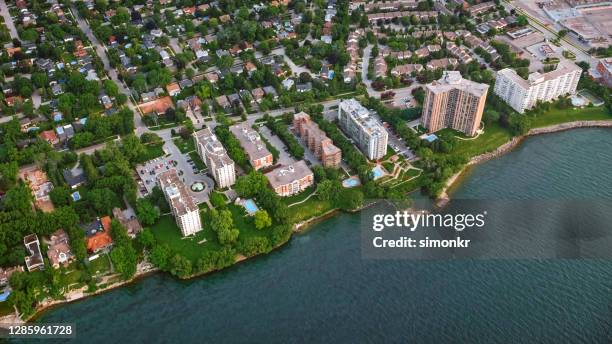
350,182
250,206
378,172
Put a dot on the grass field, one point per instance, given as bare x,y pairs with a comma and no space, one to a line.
167,232
299,197
556,116
185,146
308,209
153,151
493,137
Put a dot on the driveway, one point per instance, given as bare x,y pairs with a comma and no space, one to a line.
284,157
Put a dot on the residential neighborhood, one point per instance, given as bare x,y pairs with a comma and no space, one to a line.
186,136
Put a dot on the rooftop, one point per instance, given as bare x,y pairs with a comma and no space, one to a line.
177,193
287,174
563,67
453,80
214,149
362,117
250,141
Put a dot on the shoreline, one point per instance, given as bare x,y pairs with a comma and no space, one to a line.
507,147
147,269
80,294
77,295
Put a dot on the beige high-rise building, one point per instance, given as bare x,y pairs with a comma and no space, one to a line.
454,102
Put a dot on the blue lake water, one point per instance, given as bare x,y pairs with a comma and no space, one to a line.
319,288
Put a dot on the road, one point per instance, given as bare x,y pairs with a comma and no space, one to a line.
8,21
365,64
295,69
139,125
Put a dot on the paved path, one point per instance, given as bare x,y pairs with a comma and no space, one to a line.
8,21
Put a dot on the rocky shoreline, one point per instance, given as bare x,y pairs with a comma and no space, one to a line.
513,143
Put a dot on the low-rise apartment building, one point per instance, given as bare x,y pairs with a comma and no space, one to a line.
316,140
259,155
365,130
212,152
523,94
290,180
185,211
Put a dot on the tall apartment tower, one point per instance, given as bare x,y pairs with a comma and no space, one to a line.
454,102
186,212
215,157
365,130
523,94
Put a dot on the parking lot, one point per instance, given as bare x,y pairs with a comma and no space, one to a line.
284,158
185,167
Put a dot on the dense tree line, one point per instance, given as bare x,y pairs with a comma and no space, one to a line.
282,131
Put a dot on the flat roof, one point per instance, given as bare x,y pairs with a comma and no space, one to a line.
250,141
287,174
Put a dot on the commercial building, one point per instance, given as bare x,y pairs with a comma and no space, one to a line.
367,132
215,157
291,179
321,145
454,102
259,156
523,94
185,211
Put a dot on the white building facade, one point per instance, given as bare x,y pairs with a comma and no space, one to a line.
523,94
185,211
215,157
367,132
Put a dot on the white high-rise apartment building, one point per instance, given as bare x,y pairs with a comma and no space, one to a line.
185,211
367,132
215,157
523,94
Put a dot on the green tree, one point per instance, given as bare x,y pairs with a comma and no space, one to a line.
146,212
262,219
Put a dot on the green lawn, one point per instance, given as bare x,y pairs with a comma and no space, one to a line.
167,232
185,146
556,116
493,137
308,209
299,197
101,264
153,151
197,160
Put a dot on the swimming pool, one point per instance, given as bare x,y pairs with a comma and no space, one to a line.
378,172
350,182
250,206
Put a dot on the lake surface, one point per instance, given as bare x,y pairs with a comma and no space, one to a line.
319,288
